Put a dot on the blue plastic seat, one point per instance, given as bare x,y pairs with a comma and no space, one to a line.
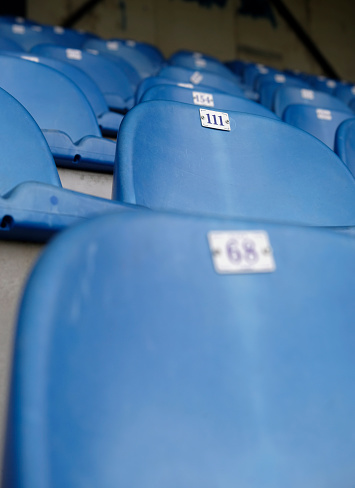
267,84
109,122
147,83
321,83
199,62
61,110
117,49
346,92
219,101
152,52
33,204
252,71
286,96
29,36
137,364
16,19
112,80
262,168
9,45
319,122
184,75
279,78
345,143
237,66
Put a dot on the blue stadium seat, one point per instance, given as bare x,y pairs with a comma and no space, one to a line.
345,143
346,92
199,62
9,45
117,49
321,83
286,96
109,122
267,84
112,79
29,36
252,71
138,362
237,66
152,52
61,110
221,101
16,19
184,75
279,78
33,204
261,168
319,122
147,83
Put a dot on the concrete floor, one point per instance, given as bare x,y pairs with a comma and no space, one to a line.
16,262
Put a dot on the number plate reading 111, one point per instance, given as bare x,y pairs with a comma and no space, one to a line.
214,120
241,252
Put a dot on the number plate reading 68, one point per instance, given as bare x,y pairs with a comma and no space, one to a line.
241,252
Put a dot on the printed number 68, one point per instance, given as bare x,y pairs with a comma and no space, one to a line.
245,251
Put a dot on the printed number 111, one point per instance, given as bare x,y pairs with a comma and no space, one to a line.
215,119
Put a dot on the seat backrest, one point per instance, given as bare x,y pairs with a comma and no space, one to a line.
24,155
184,75
53,100
321,83
137,342
267,89
29,36
199,62
252,71
142,63
237,66
345,143
110,78
260,168
346,92
33,204
151,81
149,50
319,122
77,76
221,101
281,78
288,95
9,45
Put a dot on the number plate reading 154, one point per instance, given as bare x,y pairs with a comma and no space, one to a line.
201,98
214,120
241,252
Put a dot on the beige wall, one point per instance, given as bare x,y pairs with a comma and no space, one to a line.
174,24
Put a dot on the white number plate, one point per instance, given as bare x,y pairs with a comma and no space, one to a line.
200,63
241,252
323,114
214,120
74,54
112,45
196,78
307,94
18,29
201,98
